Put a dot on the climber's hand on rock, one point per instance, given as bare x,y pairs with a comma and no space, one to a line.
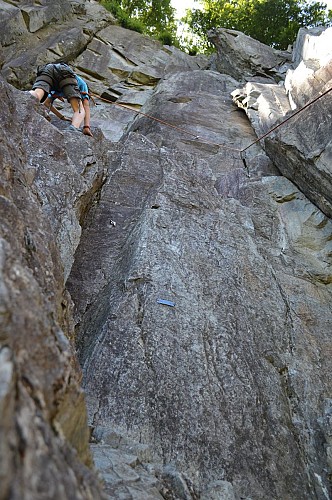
87,131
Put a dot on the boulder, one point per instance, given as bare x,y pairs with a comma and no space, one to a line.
137,61
124,67
244,58
78,174
219,490
312,47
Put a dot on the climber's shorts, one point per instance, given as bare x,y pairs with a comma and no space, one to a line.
59,78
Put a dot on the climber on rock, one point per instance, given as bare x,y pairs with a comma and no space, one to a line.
59,80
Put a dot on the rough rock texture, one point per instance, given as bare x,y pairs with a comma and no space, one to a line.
222,392
245,275
306,158
12,24
126,70
263,103
302,147
38,16
312,71
52,41
44,435
246,59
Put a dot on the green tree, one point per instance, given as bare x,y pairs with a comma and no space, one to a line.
159,15
153,17
273,22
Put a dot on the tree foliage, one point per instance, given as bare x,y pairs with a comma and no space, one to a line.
273,22
152,17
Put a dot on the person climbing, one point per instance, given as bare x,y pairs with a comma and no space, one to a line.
59,80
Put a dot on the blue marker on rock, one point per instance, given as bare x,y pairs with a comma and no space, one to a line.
166,302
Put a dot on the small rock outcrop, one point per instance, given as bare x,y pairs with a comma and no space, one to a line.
183,286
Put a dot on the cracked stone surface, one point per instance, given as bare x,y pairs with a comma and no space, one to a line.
198,298
215,384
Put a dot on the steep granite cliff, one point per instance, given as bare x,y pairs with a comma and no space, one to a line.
192,288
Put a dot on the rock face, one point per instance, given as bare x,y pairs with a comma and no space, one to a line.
45,38
195,288
300,148
246,59
216,382
43,417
